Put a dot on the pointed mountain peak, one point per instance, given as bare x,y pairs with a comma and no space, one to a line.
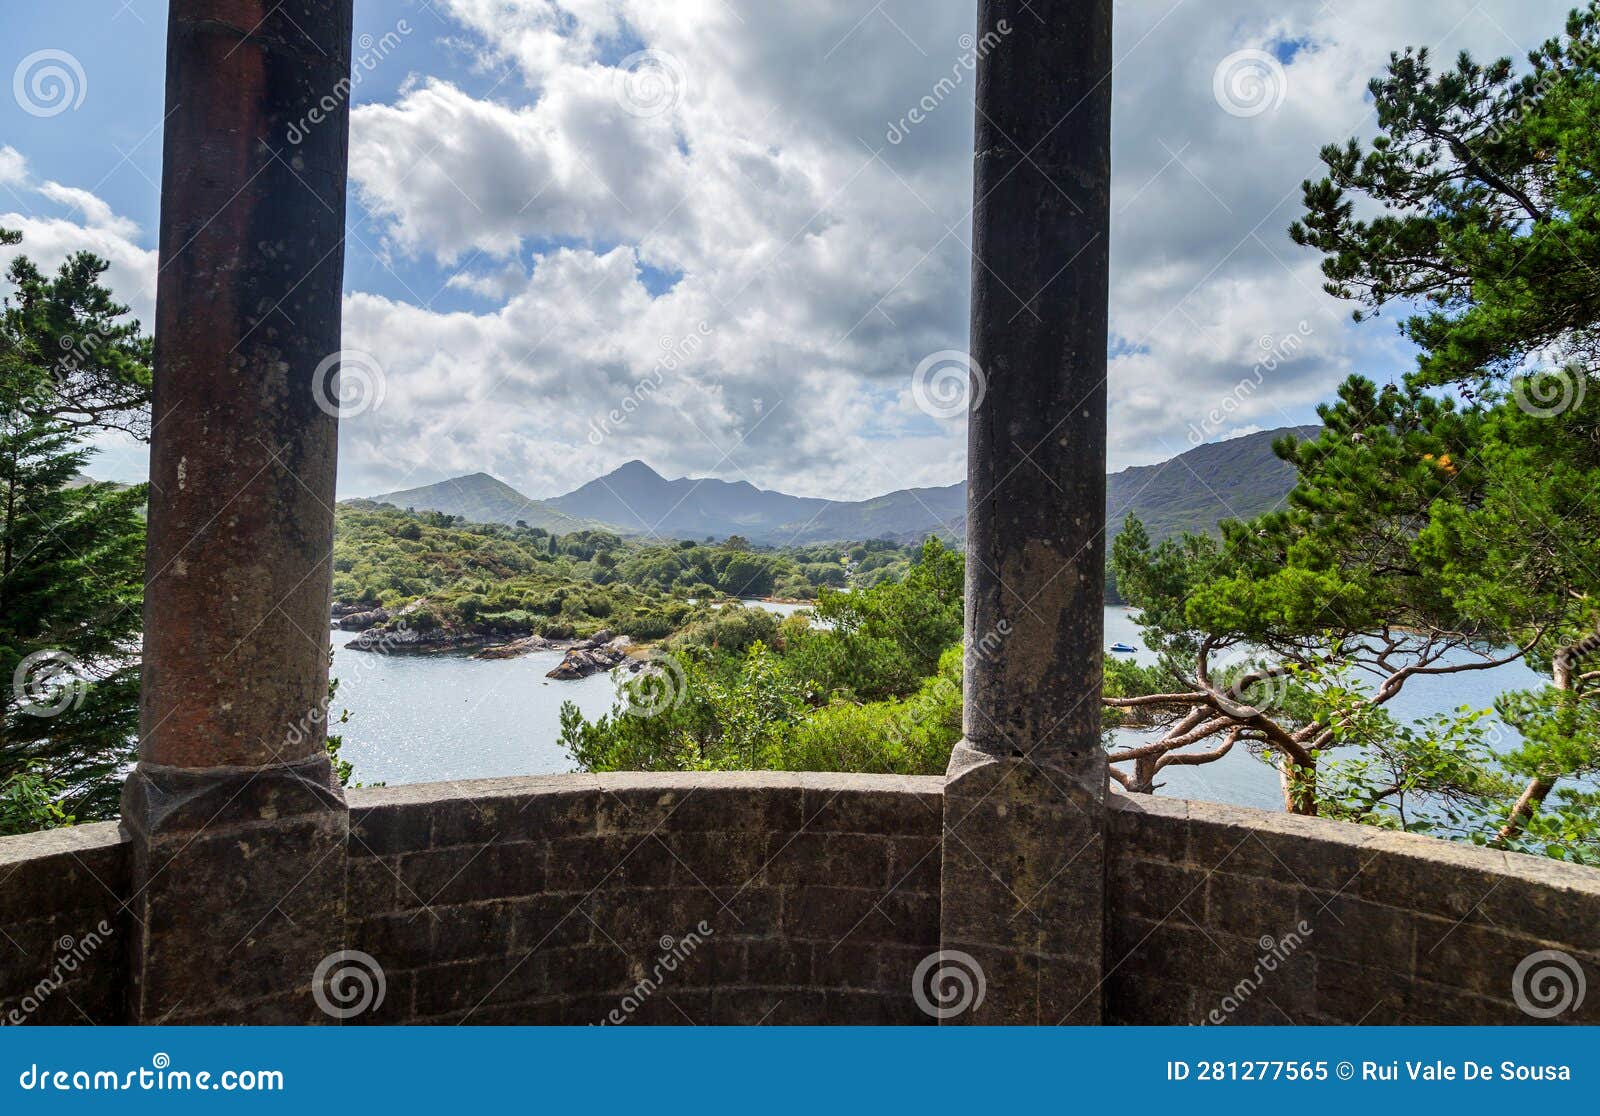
636,468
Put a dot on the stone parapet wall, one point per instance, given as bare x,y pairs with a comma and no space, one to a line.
63,931
798,898
1220,914
724,898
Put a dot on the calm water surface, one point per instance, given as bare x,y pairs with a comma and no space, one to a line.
419,719
426,718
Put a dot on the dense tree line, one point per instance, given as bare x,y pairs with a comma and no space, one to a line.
71,553
869,680
527,579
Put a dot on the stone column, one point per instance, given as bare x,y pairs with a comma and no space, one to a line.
1024,855
239,826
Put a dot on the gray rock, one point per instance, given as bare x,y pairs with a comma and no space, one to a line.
524,646
581,662
361,621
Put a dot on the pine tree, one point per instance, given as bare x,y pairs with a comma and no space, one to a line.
1489,226
92,359
71,558
71,553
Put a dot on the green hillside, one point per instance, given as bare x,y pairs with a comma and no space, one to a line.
1236,479
479,498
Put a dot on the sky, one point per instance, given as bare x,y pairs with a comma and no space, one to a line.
731,238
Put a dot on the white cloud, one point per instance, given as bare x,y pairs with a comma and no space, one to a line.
541,37
13,167
96,213
450,174
824,270
131,276
765,201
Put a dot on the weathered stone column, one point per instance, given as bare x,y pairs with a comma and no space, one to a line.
1024,856
239,826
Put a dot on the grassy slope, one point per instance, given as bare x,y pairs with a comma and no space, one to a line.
1236,479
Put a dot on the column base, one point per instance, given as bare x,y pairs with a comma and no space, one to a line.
1024,884
239,890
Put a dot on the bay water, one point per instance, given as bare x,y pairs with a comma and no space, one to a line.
431,718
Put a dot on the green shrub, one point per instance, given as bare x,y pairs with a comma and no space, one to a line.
731,629
470,607
29,802
913,736
646,625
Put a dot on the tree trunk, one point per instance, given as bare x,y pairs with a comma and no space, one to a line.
1562,668
1533,796
1299,786
1144,774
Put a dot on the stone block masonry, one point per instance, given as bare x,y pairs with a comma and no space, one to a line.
1024,809
238,827
761,898
795,898
1225,915
63,927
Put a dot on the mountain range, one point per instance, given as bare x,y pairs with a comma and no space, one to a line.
480,498
637,499
1237,478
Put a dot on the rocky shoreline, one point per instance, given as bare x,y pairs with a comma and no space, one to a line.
386,633
594,656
